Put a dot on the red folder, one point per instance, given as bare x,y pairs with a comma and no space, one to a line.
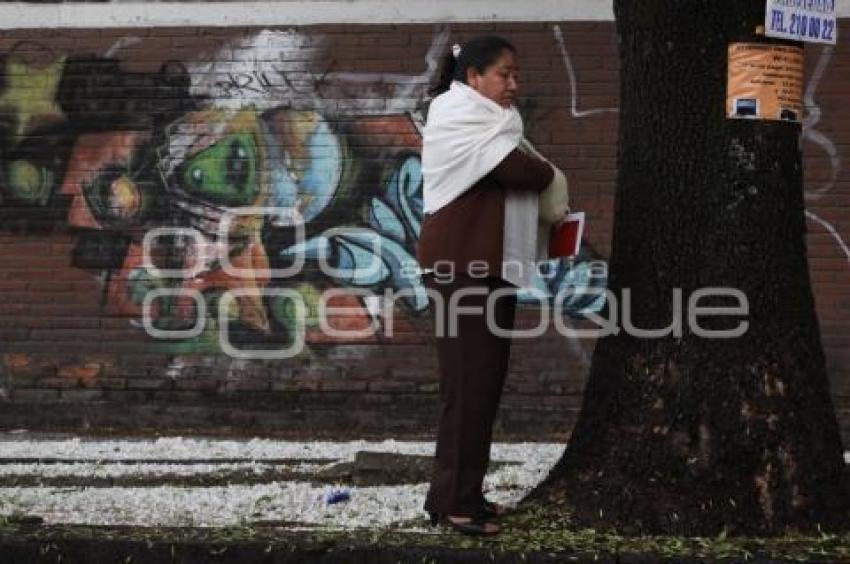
565,239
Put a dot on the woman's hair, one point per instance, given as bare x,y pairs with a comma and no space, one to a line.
478,53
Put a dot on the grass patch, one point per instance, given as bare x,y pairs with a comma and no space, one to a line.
533,530
540,528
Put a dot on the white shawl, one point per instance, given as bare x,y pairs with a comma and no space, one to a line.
465,136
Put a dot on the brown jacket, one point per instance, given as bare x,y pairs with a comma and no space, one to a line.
471,227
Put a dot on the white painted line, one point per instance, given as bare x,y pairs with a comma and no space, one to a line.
92,470
19,15
256,449
832,231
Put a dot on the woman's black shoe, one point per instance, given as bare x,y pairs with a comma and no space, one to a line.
475,526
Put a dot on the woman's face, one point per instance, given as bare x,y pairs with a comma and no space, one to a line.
499,80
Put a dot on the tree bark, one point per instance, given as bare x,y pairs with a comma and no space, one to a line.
695,435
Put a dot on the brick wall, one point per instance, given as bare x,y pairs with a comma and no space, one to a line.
110,134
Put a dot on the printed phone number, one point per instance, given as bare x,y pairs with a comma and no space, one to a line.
802,25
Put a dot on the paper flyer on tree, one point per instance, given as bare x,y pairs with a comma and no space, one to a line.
765,82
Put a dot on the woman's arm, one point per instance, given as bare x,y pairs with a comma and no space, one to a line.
519,171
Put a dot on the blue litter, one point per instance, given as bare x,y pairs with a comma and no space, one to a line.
337,496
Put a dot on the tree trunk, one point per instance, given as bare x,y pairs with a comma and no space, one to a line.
696,435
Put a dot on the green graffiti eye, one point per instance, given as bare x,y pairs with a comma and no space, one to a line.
226,173
237,166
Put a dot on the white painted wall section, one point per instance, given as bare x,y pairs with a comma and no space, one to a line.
20,15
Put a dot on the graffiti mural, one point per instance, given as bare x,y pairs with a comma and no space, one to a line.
174,182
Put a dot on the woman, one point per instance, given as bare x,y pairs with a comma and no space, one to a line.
479,235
